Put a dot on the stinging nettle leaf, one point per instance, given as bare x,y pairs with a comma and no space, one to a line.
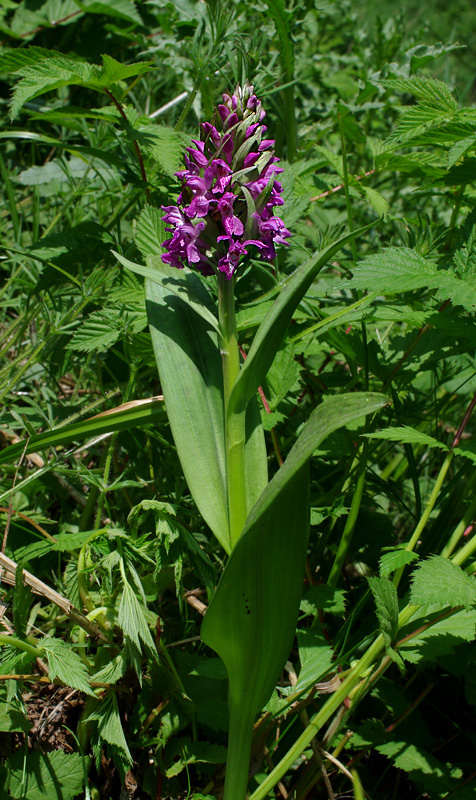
376,200
431,90
460,149
394,559
123,9
194,753
386,601
52,72
12,717
165,146
439,639
14,60
98,332
406,435
132,619
110,726
392,271
437,581
324,597
430,774
150,232
65,664
113,71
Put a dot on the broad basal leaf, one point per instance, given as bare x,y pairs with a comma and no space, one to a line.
188,359
185,285
251,620
252,617
186,347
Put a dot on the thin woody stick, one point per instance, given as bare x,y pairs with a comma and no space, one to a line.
7,571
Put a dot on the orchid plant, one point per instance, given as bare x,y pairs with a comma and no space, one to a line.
223,220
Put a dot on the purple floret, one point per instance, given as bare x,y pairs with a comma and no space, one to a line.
213,225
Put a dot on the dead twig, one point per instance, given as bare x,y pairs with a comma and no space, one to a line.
8,570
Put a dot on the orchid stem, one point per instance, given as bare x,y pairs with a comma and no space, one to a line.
238,754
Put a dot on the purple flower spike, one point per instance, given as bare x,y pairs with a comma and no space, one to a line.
227,166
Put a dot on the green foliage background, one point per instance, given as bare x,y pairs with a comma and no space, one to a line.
372,112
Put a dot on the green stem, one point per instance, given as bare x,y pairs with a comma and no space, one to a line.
190,99
465,552
291,136
348,204
105,480
460,529
234,423
36,652
348,532
83,578
428,509
240,734
454,215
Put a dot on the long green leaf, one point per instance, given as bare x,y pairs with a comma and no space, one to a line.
102,155
271,331
256,458
188,359
140,412
252,618
176,282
